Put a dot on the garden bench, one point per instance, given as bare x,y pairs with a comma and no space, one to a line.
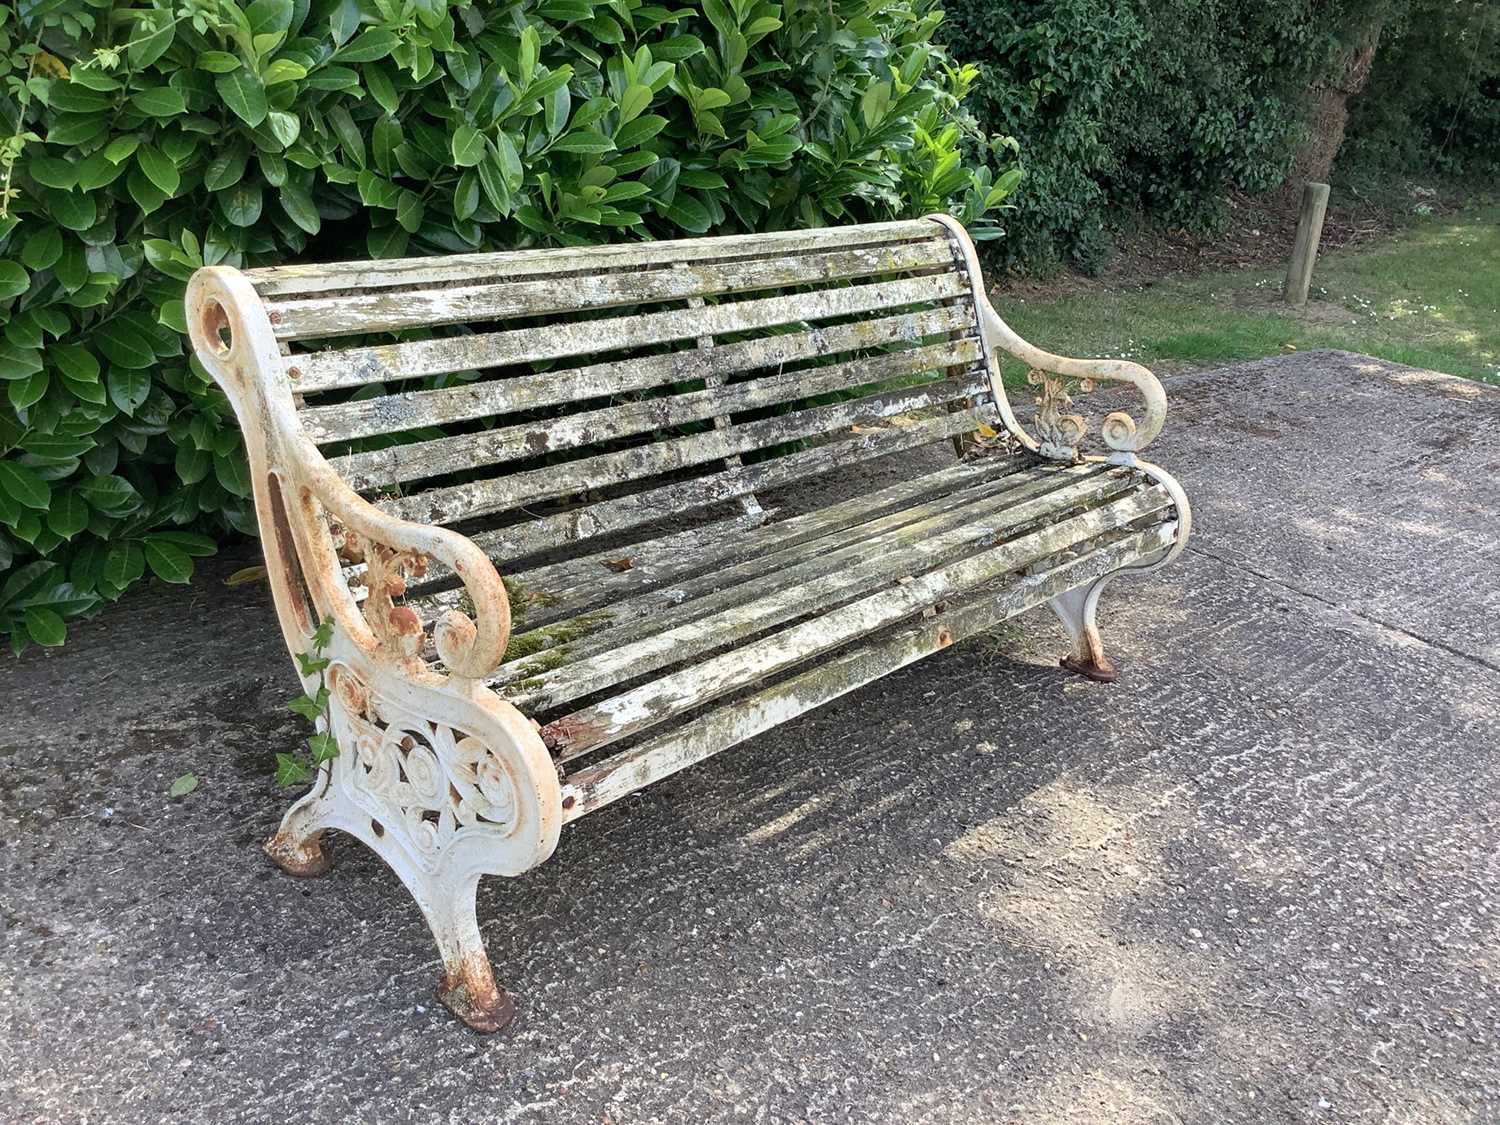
602,426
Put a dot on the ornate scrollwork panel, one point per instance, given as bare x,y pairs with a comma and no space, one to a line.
440,793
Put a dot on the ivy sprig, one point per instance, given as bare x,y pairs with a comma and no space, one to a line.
292,768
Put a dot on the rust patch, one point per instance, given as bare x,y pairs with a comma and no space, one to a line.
470,993
1101,670
306,859
405,621
563,732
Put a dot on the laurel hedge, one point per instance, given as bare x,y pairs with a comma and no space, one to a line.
143,142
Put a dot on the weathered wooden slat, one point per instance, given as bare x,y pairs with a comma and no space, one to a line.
748,504
498,494
602,783
283,281
634,711
416,460
466,402
894,555
621,513
560,590
355,367
306,318
563,589
830,568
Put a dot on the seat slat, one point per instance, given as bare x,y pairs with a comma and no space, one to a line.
849,559
285,281
487,497
355,367
416,460
640,708
621,513
894,555
599,784
306,318
466,402
566,588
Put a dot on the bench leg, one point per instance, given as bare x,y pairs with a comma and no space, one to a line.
1076,610
467,987
445,783
297,848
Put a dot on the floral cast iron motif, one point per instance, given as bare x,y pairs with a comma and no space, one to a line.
424,782
1060,432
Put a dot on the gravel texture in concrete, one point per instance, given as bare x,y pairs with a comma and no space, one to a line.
1253,881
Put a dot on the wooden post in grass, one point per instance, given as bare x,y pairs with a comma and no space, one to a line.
1305,248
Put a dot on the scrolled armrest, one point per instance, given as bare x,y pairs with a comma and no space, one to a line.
1060,432
394,550
301,503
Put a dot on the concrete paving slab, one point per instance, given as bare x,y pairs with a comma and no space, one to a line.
1254,881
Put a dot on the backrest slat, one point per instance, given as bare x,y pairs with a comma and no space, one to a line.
322,371
465,402
624,513
490,496
389,310
542,397
401,463
279,282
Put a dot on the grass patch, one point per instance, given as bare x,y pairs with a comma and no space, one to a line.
1428,296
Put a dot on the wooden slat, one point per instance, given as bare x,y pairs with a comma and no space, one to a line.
634,711
919,548
466,402
416,460
486,497
563,589
306,318
857,557
621,513
598,785
354,367
283,281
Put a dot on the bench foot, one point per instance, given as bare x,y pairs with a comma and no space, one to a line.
297,848
1076,610
306,859
467,987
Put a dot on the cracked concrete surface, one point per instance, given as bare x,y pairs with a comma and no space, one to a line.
1254,881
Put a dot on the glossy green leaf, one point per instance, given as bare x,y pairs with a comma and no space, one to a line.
299,206
14,280
112,495
245,94
45,626
23,485
468,146
127,388
585,141
167,561
159,102
68,514
26,392
159,169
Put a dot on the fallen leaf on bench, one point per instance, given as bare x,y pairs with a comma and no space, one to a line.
858,429
987,431
901,421
618,565
246,576
182,786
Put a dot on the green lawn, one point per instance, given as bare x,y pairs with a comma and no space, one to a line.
1428,296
